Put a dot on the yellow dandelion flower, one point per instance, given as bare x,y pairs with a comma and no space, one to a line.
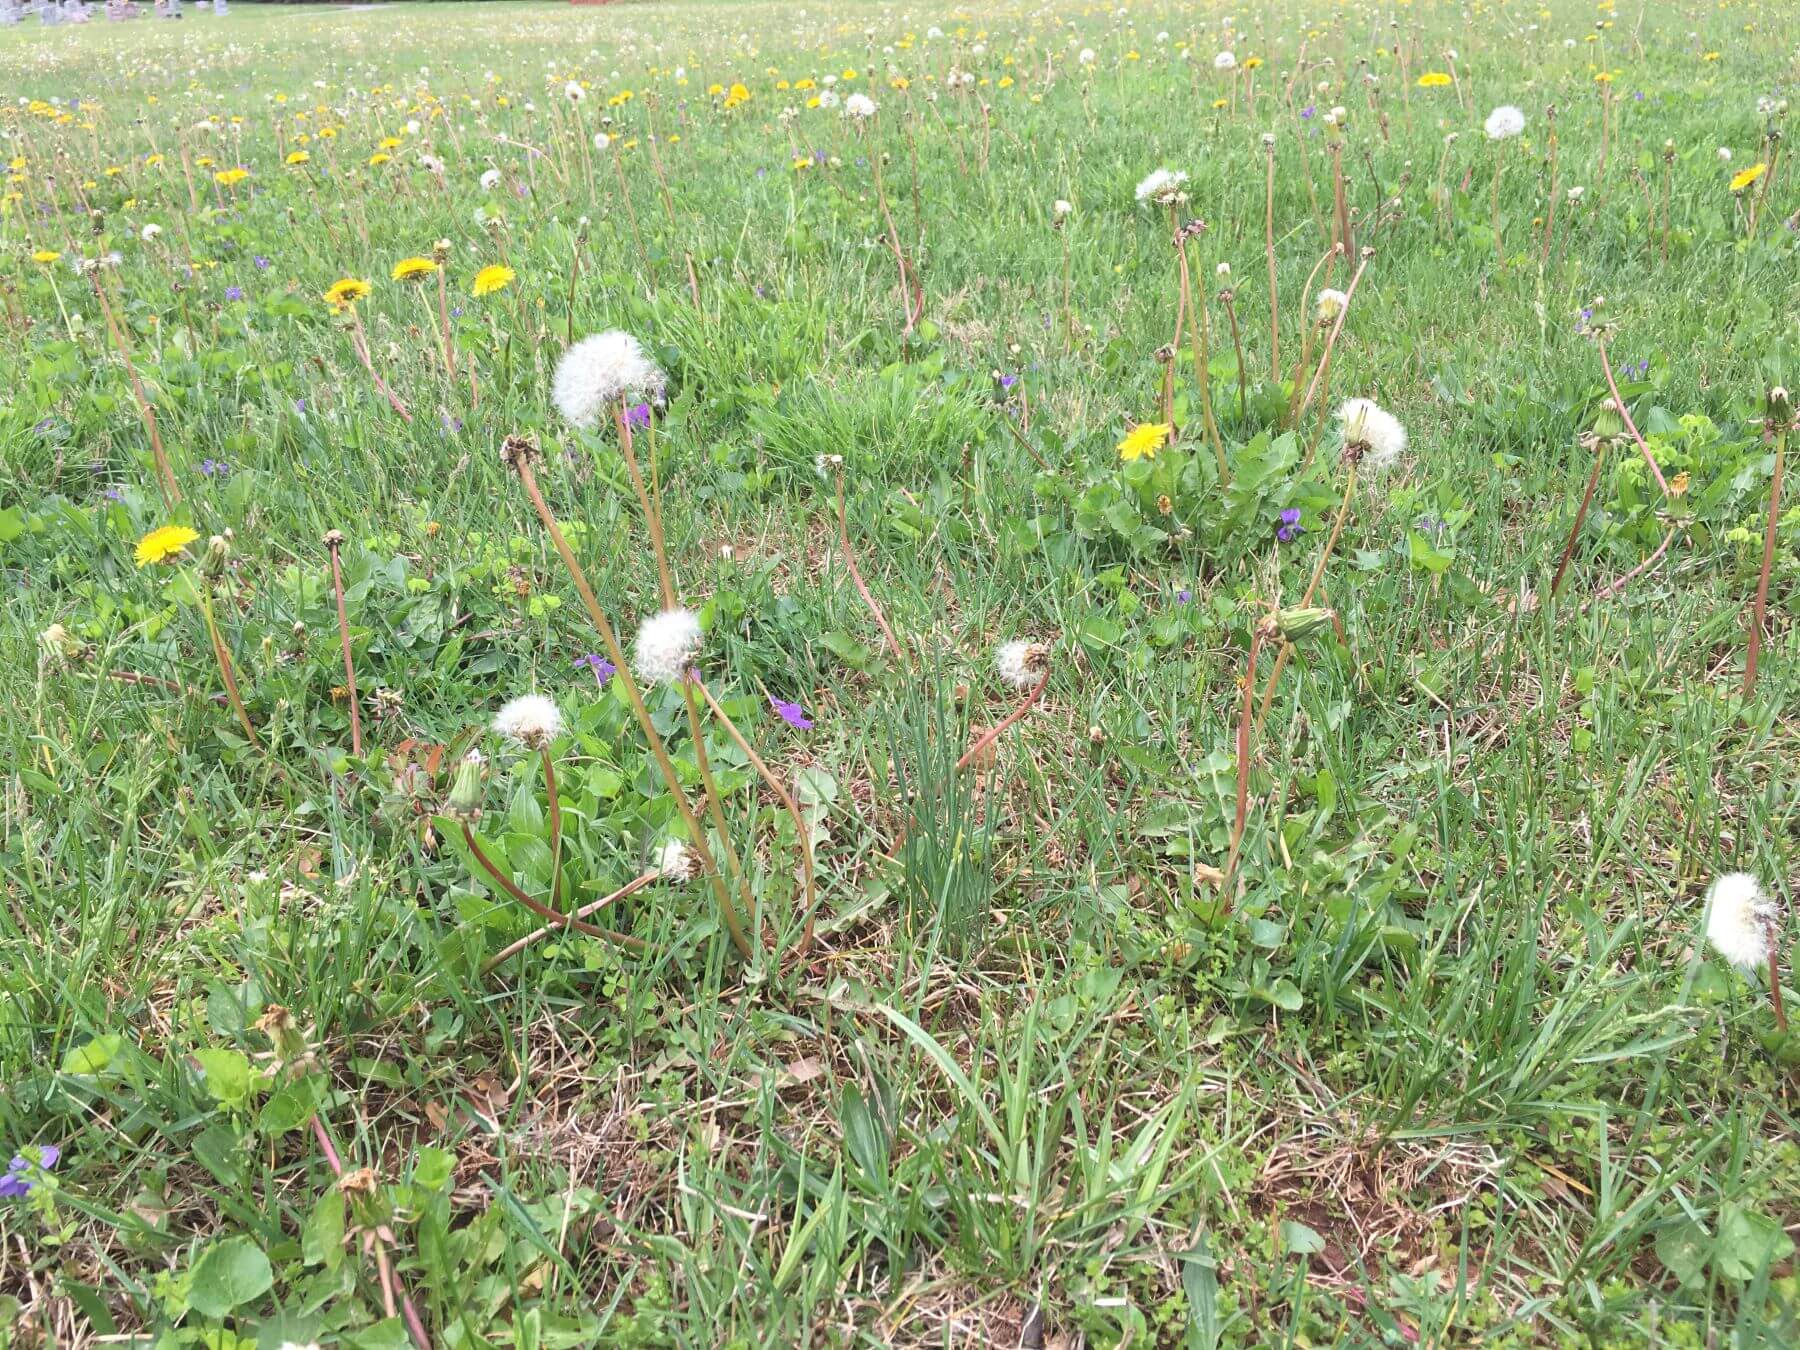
1143,441
493,277
1745,177
230,177
1253,62
45,256
377,159
346,291
413,269
164,543
299,157
1435,79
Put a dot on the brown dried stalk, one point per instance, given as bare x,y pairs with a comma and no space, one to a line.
334,540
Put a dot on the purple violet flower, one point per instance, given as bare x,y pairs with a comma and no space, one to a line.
16,1180
234,292
1290,528
637,416
262,263
602,668
792,713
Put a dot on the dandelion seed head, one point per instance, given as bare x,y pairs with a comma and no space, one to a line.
666,646
598,371
1161,187
1504,122
675,861
1021,663
1739,917
1372,432
533,720
1328,304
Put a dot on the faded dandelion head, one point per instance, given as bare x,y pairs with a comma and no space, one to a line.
1162,187
598,371
1740,920
533,720
675,861
1328,304
1372,435
666,646
1021,663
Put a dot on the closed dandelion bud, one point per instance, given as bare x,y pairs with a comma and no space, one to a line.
1781,409
218,555
1608,425
465,790
1297,625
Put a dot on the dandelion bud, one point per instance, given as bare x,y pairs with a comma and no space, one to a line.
1608,425
218,554
465,790
1297,625
1781,409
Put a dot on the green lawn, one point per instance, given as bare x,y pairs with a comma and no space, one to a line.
1369,1003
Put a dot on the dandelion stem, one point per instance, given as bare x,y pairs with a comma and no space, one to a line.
1760,607
538,907
1580,518
994,733
333,542
170,490
862,587
1625,413
1242,813
652,511
1269,251
1775,984
1200,332
555,826
803,832
635,698
1312,588
222,655
506,953
1324,367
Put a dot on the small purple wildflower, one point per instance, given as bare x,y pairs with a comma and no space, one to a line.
43,426
214,468
637,417
234,292
1008,381
1307,112
16,1180
1184,596
299,405
1290,527
262,263
602,668
792,713
113,495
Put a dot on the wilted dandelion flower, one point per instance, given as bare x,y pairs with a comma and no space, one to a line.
1328,304
598,371
163,543
532,720
1020,664
1371,433
1161,187
1143,441
1504,123
666,646
493,277
1740,919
